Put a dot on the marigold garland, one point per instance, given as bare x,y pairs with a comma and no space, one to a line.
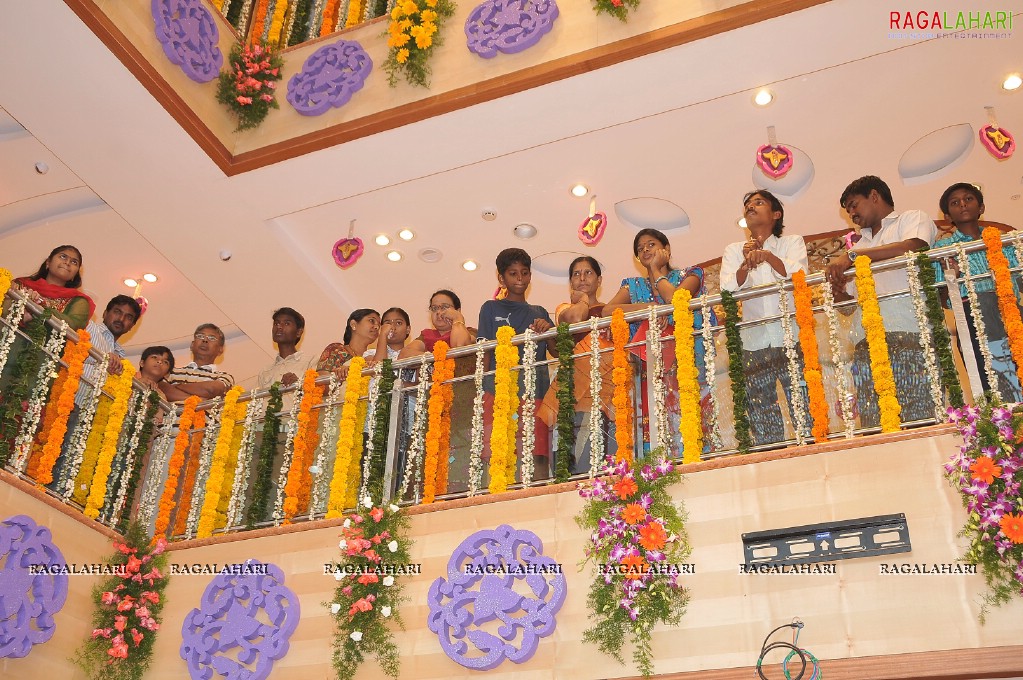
277,22
258,21
811,358
6,278
218,466
347,434
62,401
736,374
1007,305
358,448
83,478
191,471
118,410
690,423
297,488
877,344
439,428
238,439
412,35
621,376
502,436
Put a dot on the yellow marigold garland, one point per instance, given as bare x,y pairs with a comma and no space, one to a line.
811,359
191,471
354,13
175,466
690,424
877,344
75,354
277,23
347,433
218,464
439,429
303,454
232,464
5,282
358,446
999,265
502,436
91,452
118,410
621,376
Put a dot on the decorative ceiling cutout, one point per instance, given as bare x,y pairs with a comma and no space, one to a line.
508,26
329,78
652,213
790,185
935,153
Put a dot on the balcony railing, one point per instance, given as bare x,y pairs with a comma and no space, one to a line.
252,481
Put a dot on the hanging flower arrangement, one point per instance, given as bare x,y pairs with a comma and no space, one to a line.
248,87
439,428
1006,294
638,545
619,9
978,319
502,436
919,301
218,466
811,358
939,333
297,487
736,374
476,445
370,577
200,430
987,472
126,615
61,404
845,397
348,432
596,382
690,425
566,403
621,377
177,464
412,35
24,370
877,344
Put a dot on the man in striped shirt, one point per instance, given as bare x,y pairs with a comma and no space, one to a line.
200,377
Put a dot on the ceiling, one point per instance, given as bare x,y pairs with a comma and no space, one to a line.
136,194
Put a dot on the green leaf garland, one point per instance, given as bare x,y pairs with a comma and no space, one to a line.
566,403
145,435
257,511
740,401
380,430
939,333
16,394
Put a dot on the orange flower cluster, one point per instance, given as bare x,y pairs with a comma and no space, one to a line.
191,471
218,463
177,463
346,459
62,401
1012,526
502,436
330,11
258,21
633,513
296,490
811,360
877,344
1006,295
621,376
985,470
691,423
652,536
438,436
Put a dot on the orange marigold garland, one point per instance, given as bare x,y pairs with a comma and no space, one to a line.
691,421
312,441
1006,294
811,359
191,471
303,454
174,468
439,429
877,344
258,22
75,354
621,376
218,464
112,432
502,436
347,433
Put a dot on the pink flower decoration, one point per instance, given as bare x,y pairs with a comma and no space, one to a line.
120,622
109,598
377,514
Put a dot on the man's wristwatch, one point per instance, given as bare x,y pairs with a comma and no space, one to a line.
852,255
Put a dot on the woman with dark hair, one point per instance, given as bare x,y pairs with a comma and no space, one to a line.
448,325
56,286
395,327
361,331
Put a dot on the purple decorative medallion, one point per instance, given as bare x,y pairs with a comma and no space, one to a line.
28,601
481,587
189,36
508,26
329,78
229,635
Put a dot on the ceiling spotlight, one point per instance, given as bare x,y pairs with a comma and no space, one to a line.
406,234
469,266
580,190
1012,82
130,282
394,256
763,97
524,231
383,239
150,278
741,222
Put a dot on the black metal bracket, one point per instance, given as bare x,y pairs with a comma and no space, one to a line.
829,541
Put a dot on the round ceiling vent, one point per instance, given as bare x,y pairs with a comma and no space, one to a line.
652,213
936,152
524,231
430,255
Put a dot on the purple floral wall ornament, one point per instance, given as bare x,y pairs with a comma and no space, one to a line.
508,26
28,601
228,635
189,36
480,588
329,78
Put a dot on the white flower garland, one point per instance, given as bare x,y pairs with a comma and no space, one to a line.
371,421
414,454
14,315
270,9
528,412
366,10
476,447
657,381
120,453
129,459
209,442
328,442
286,37
1017,245
710,355
845,397
312,29
795,375
47,371
978,320
162,448
240,484
243,16
342,15
917,296
289,452
596,432
80,436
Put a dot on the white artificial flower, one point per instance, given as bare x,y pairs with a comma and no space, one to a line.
335,608
315,469
347,524
343,544
393,546
393,508
356,635
388,581
339,576
386,611
368,502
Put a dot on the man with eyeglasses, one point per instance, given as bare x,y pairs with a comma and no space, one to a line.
200,377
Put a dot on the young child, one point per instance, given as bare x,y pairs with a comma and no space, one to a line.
157,364
395,327
514,274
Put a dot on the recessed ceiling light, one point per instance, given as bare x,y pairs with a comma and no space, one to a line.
580,190
469,266
741,222
763,97
524,231
406,234
130,282
150,278
383,239
1012,82
394,256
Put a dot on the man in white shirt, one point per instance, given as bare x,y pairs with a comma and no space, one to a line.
290,364
766,258
885,234
119,317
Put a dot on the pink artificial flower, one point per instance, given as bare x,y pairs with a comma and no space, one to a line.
266,97
118,648
357,519
97,632
109,598
134,564
366,579
244,101
136,636
150,595
120,587
371,555
347,590
152,575
362,605
270,85
142,612
120,622
377,514
127,603
150,624
376,539
273,72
